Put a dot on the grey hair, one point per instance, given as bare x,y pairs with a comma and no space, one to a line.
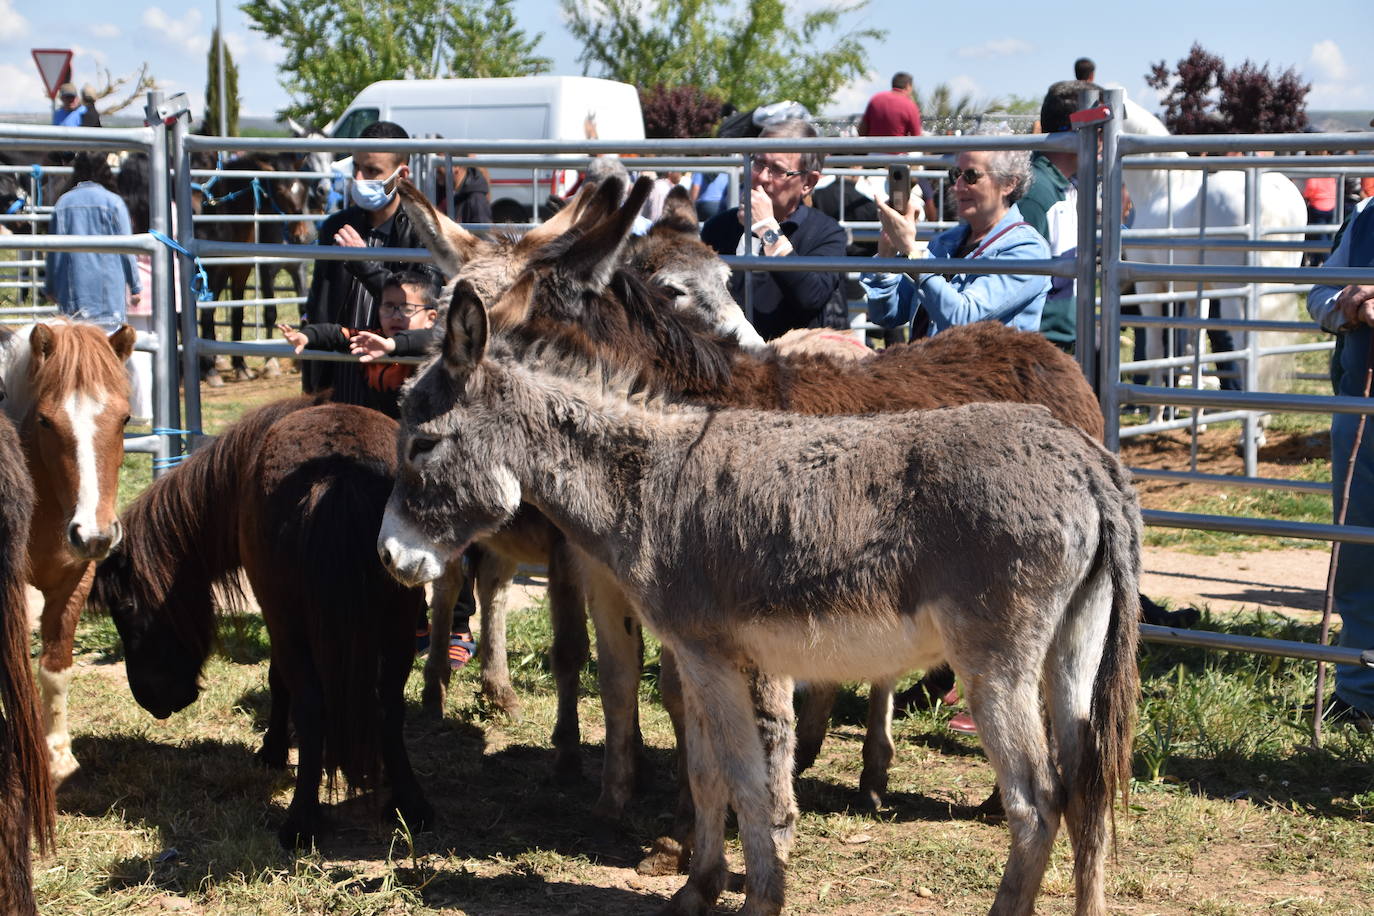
1012,165
797,129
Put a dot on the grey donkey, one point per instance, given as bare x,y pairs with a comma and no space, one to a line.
836,548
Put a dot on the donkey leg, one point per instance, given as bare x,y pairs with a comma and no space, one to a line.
436,672
407,798
721,714
1012,732
813,720
618,670
773,715
493,574
276,742
672,851
570,652
878,747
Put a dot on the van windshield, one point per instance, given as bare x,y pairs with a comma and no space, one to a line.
357,119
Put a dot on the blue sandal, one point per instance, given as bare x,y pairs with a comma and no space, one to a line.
461,649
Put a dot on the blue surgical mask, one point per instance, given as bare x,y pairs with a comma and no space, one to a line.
371,195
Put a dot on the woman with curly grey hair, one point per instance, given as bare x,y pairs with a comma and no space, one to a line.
986,186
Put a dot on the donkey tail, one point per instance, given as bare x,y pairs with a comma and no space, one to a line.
1103,768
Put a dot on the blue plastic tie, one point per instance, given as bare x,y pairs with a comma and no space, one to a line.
37,184
200,283
171,461
16,206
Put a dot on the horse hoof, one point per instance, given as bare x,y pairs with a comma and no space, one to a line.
244,375
667,857
60,769
221,363
293,835
867,801
271,758
271,369
213,379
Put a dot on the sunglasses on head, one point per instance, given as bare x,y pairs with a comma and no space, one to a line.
970,176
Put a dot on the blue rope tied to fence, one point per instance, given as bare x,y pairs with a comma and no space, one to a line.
200,283
172,461
37,171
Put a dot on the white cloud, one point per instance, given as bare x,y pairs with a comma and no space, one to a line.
13,26
1328,61
187,33
250,46
853,98
106,30
1338,96
998,47
21,89
962,85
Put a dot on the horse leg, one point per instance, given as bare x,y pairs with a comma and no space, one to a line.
271,368
238,289
62,603
1012,732
407,798
307,713
618,671
209,368
276,743
813,719
727,764
493,574
436,674
672,851
878,747
570,651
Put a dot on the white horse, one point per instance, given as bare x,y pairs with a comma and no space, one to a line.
1173,198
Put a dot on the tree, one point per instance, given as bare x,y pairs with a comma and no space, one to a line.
682,111
750,58
134,86
336,49
1203,94
231,90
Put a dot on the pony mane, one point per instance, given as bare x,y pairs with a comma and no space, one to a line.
82,360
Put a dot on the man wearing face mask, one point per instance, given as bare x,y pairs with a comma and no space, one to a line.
347,292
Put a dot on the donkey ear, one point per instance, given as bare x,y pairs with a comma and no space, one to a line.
593,259
466,339
678,213
122,341
451,244
41,345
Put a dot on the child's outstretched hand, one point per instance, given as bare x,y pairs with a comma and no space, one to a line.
295,338
368,346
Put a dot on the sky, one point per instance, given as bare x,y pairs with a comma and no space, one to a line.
988,49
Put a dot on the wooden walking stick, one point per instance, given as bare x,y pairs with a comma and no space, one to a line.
1330,599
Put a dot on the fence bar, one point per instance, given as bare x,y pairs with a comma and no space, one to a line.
1086,344
1109,374
1228,480
166,407
189,350
1202,639
1267,527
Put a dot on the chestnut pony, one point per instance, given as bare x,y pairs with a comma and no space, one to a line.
68,393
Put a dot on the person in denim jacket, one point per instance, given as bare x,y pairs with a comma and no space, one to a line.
88,285
986,186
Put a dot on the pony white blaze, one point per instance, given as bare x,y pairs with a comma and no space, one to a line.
412,558
82,412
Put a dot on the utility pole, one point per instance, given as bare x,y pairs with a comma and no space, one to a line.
219,64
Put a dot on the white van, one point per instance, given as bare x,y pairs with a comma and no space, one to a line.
518,108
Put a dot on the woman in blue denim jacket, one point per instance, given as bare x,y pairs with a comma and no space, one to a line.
87,285
986,186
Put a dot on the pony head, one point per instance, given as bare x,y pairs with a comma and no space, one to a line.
74,428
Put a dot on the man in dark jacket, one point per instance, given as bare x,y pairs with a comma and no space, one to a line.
785,226
472,200
346,292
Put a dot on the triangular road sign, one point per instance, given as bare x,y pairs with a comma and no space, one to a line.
55,66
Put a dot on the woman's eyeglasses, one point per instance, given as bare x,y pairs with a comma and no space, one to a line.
970,176
774,172
405,310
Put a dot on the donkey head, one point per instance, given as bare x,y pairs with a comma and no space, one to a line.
441,500
74,429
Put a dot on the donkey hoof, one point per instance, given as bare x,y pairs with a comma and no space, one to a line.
417,814
567,768
297,833
688,901
502,699
668,857
609,808
271,756
867,801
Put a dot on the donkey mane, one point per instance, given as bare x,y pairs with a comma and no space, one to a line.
181,533
74,367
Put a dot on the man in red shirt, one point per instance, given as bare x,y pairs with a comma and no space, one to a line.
892,113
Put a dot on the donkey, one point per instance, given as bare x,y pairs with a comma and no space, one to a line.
291,495
67,391
991,536
26,797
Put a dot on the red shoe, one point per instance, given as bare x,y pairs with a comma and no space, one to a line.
963,724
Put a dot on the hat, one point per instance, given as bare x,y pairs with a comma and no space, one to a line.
67,89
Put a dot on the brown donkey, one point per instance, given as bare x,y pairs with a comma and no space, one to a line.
68,393
991,536
26,800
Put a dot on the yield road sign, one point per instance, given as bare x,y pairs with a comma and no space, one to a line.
55,66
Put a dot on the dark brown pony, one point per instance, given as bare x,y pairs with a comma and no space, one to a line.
26,797
292,495
270,197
